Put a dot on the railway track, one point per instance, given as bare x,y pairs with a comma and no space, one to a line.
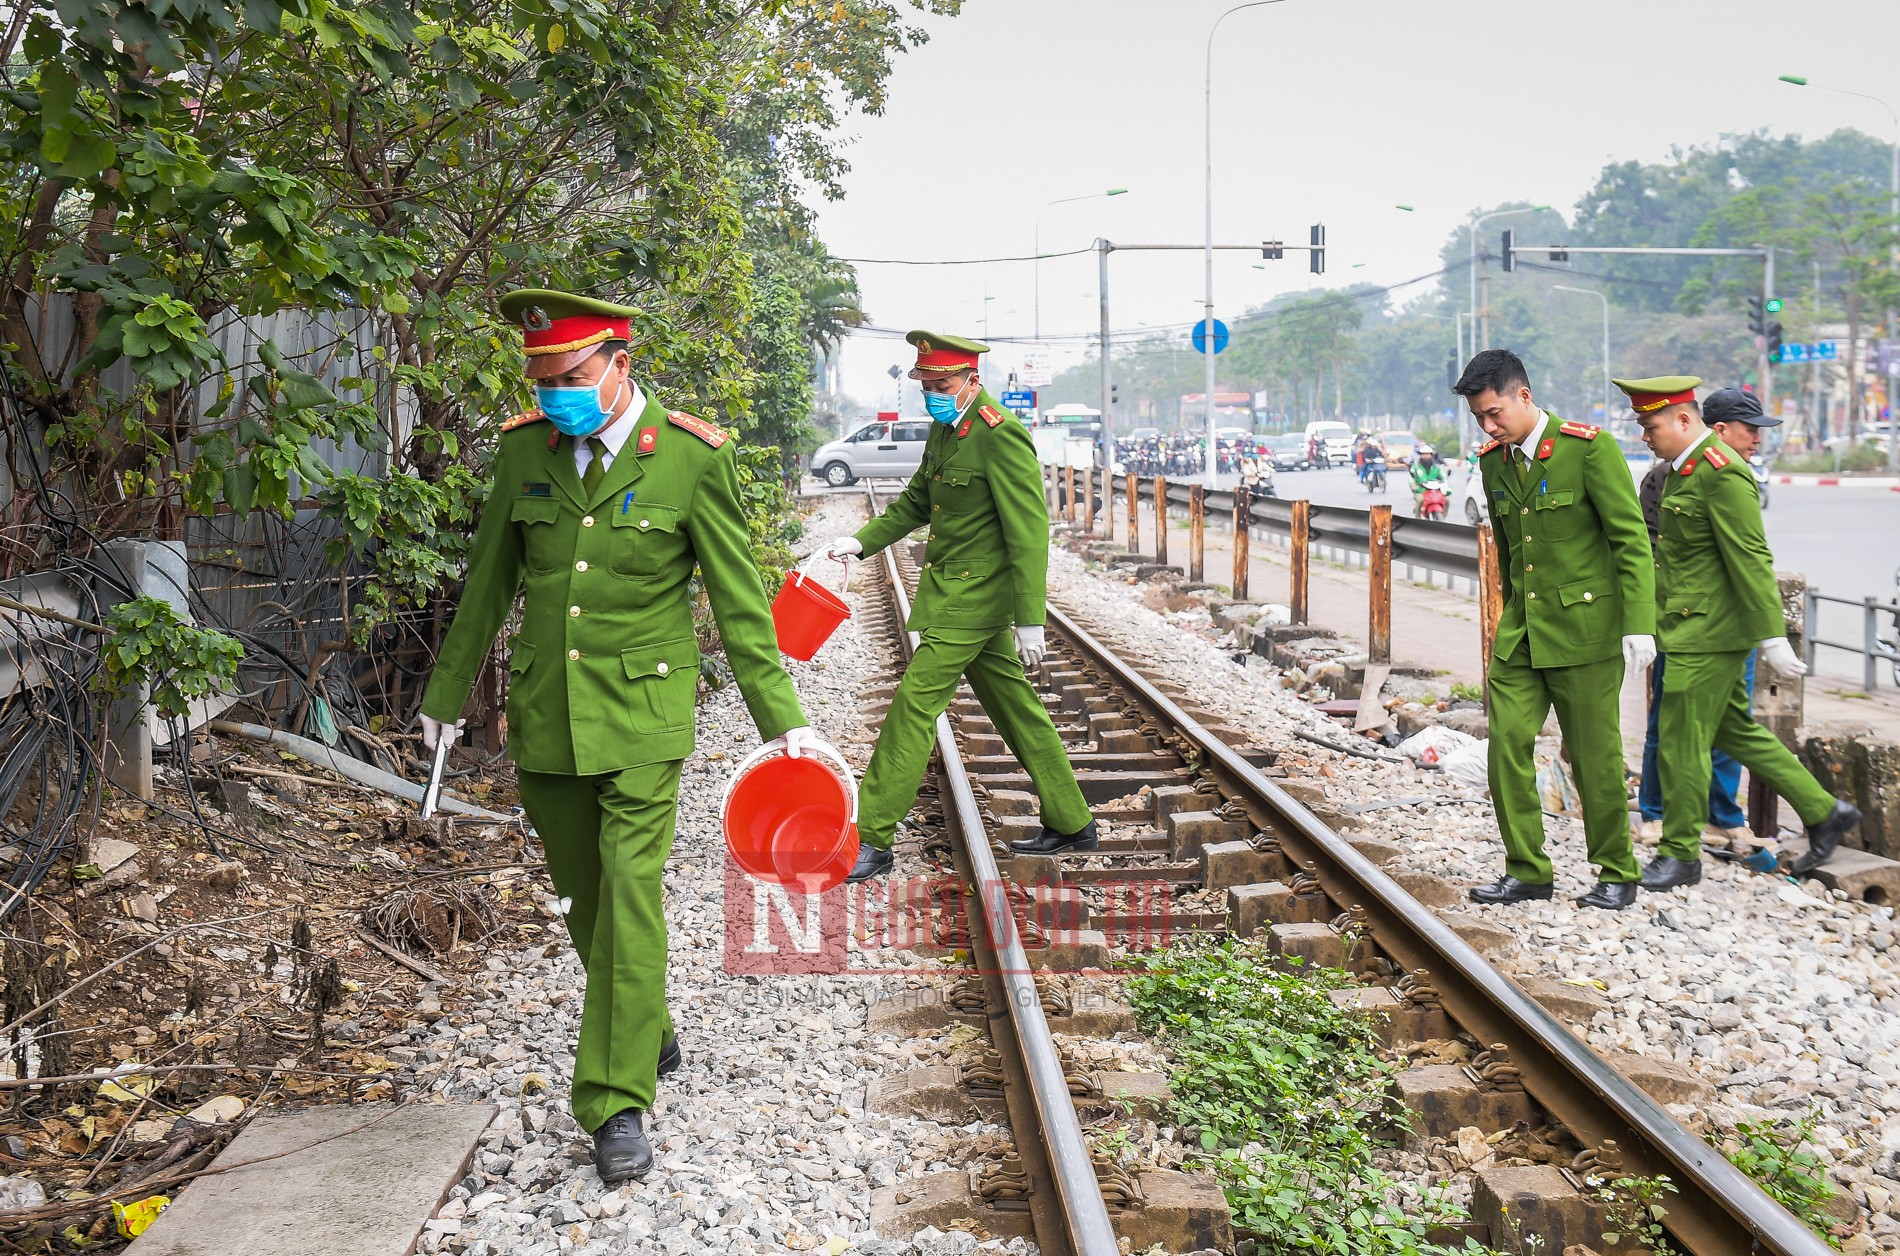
1260,862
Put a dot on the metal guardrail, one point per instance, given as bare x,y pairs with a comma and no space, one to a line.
1436,545
1872,647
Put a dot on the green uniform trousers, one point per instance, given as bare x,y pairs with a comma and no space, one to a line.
1705,705
987,656
1585,696
607,838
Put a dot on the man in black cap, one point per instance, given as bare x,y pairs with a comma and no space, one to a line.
1736,417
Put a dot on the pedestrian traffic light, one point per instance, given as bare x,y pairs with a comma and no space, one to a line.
1772,341
1272,250
1510,249
1756,323
1316,256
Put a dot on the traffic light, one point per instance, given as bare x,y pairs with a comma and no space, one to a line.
1114,395
1316,256
1772,340
1560,255
1772,305
1510,249
1756,322
1272,250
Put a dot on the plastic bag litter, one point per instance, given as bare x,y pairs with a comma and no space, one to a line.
1554,791
1468,765
1428,746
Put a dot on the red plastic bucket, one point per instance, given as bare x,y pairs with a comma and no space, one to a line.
806,613
793,822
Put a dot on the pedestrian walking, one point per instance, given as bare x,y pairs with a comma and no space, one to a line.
1579,608
980,605
1716,600
604,502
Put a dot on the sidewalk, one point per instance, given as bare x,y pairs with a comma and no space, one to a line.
1437,628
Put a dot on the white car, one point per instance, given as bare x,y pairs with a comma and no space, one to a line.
882,449
1335,441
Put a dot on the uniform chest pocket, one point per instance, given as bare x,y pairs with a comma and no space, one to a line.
1557,514
955,486
1681,519
645,540
535,518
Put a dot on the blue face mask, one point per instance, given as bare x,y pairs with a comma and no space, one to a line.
944,407
575,411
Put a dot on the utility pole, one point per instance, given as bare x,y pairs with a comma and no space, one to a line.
1765,370
1101,269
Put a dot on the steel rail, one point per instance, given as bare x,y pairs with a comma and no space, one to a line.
1048,1133
1718,1208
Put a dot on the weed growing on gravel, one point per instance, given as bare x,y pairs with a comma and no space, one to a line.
1772,1155
1288,1096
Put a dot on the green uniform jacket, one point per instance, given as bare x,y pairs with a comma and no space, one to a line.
1573,553
986,564
1715,578
605,670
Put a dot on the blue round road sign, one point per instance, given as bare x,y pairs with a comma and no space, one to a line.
1200,336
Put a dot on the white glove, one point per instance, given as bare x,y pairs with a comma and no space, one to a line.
1780,657
1639,651
843,547
433,731
1030,646
799,740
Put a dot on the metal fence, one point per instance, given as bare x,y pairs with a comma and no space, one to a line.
1873,648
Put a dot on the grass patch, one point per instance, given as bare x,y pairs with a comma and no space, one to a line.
1861,457
1797,1180
1289,1099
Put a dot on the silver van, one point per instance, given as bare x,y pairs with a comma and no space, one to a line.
881,450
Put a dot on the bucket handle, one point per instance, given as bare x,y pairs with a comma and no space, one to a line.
823,749
803,571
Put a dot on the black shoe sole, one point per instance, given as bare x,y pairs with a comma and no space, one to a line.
883,869
1063,848
669,1057
635,1176
1508,900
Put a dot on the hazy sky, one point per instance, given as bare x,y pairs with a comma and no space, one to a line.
1327,111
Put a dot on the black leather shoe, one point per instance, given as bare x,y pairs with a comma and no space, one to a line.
1610,895
1510,890
1825,838
1665,873
669,1056
1050,842
872,862
621,1152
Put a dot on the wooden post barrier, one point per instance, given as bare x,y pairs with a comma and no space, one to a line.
1197,532
1243,533
1490,594
1161,519
1296,595
1069,479
1379,562
1088,500
1134,514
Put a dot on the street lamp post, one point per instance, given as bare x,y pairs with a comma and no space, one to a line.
1207,314
1893,217
1037,266
1481,314
1592,292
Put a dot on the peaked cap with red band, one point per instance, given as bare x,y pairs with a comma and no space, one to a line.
1650,395
559,330
938,354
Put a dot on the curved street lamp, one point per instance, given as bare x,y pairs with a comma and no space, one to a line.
1062,200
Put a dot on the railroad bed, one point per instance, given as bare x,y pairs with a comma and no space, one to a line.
1191,806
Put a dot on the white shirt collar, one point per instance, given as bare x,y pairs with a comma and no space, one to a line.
1529,443
615,434
1683,457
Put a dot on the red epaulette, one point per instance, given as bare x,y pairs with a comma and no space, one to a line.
698,427
991,415
1584,430
523,419
1716,457
1488,448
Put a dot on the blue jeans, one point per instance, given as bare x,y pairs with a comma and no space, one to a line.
1724,811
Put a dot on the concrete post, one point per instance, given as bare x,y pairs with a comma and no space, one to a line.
157,569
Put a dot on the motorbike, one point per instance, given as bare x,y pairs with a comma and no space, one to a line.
1758,465
1373,475
1433,504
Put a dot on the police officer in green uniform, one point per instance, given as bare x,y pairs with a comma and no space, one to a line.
604,502
1574,560
979,608
1716,600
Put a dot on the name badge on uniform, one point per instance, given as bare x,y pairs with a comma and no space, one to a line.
1497,494
534,489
